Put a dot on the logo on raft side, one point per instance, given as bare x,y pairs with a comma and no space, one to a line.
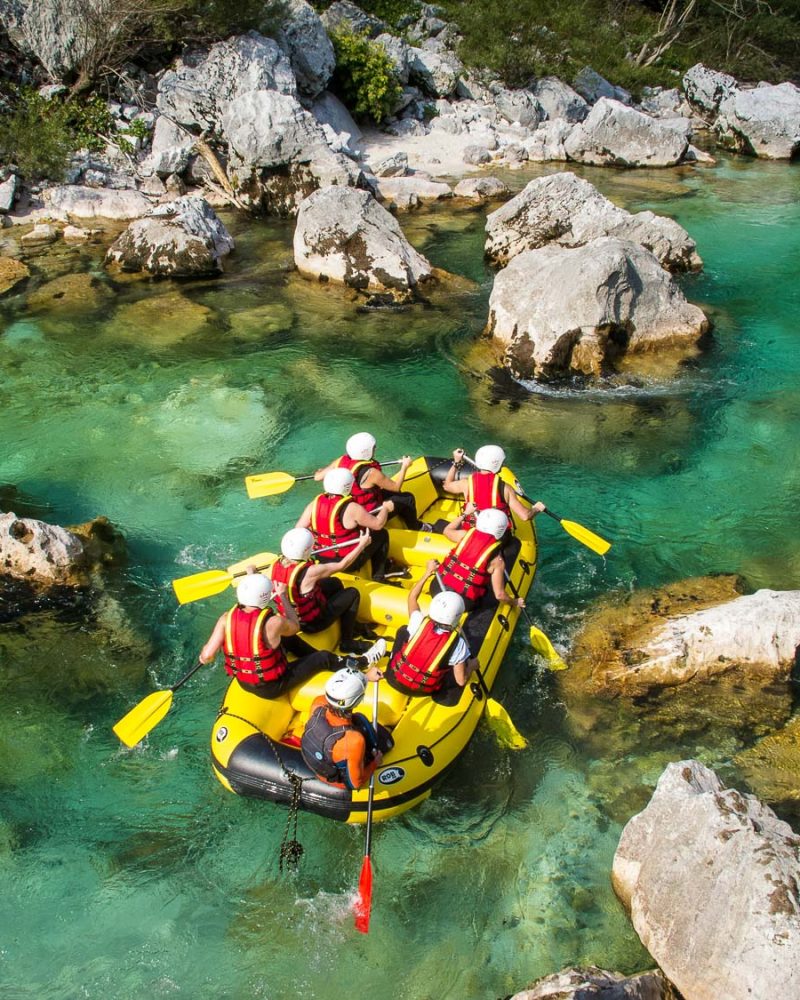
221,733
391,775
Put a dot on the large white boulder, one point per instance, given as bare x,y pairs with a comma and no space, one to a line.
58,34
303,38
592,87
344,235
615,135
596,984
436,72
706,89
171,149
764,121
710,877
69,202
197,92
558,311
183,238
559,100
570,211
520,106
327,109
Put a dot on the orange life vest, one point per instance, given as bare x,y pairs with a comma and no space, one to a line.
465,567
327,512
370,498
248,658
308,606
485,490
421,664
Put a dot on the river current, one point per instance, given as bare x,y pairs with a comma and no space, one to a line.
134,873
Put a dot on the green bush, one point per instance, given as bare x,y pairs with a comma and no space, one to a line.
365,77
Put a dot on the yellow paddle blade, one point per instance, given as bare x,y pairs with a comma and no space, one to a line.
501,725
200,585
589,538
133,727
268,484
545,648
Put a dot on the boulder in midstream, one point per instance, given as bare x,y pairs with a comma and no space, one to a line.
583,983
159,319
614,135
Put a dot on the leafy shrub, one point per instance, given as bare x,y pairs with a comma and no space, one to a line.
365,77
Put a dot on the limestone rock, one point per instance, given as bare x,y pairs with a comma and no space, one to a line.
8,191
706,89
596,984
772,765
160,320
710,877
41,234
344,235
475,155
437,73
402,192
614,135
171,150
400,54
393,166
303,38
520,106
268,129
546,144
592,87
560,311
480,189
662,103
559,100
55,33
764,121
327,109
76,292
74,202
202,85
569,211
12,272
77,234
345,16
183,238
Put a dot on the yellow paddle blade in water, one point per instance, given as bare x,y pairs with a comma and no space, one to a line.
133,727
268,484
200,585
545,648
501,725
588,538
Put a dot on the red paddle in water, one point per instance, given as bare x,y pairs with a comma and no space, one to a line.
363,904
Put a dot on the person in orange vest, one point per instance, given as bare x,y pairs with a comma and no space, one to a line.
371,486
334,519
251,637
311,589
485,489
429,655
338,744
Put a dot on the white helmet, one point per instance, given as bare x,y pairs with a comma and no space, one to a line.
297,544
492,521
490,458
446,608
361,446
338,481
254,591
346,688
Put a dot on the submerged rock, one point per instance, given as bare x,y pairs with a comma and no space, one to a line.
71,293
577,310
12,272
771,767
614,135
182,239
596,984
159,319
710,877
344,235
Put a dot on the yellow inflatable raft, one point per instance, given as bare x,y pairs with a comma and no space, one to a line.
255,742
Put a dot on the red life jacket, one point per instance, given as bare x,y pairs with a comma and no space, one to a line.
308,606
485,490
370,498
327,512
465,567
422,663
248,658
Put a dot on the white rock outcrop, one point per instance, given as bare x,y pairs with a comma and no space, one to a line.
559,311
596,984
614,135
480,189
592,87
706,89
568,210
408,192
303,38
45,555
764,121
71,202
710,877
344,235
559,100
183,238
170,152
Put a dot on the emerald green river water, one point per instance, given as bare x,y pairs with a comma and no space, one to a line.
129,874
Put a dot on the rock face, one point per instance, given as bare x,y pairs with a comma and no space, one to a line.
614,135
171,149
480,189
344,235
592,87
183,238
520,106
569,211
559,100
346,16
71,202
8,191
303,38
710,877
436,72
706,89
596,984
48,555
764,121
54,32
618,300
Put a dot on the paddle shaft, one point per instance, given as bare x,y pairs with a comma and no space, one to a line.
186,677
371,797
302,479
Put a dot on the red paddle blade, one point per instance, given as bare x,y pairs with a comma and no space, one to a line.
363,903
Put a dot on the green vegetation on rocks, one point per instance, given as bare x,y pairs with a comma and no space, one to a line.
365,78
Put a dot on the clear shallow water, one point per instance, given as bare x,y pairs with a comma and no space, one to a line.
130,873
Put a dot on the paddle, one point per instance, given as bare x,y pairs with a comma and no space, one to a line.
539,640
133,727
363,904
270,484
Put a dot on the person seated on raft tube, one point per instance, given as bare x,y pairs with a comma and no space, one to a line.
430,656
338,744
334,519
318,599
484,488
251,637
370,484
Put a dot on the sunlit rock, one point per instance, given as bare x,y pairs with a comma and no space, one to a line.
159,319
597,984
70,202
71,293
303,38
12,272
592,87
706,89
559,100
614,135
764,121
710,877
480,189
408,192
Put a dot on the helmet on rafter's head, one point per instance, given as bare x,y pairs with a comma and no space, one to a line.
297,544
446,608
490,458
254,591
360,447
345,689
338,481
492,522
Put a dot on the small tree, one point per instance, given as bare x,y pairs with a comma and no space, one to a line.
365,76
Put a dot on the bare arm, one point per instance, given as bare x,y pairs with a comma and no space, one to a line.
375,477
416,590
455,530
319,475
361,517
321,571
305,518
518,507
281,625
464,670
451,484
497,570
215,641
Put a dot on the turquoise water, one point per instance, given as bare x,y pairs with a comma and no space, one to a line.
130,873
